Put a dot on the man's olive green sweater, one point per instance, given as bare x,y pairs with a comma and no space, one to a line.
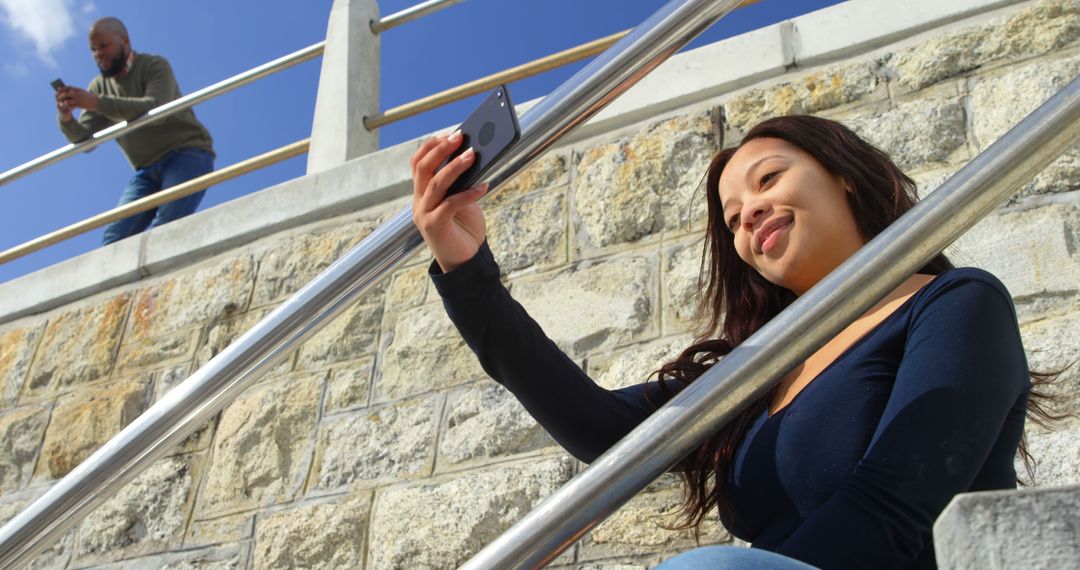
147,84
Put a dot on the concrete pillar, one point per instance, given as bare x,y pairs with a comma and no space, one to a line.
348,87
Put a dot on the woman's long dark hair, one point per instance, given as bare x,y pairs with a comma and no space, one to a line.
737,301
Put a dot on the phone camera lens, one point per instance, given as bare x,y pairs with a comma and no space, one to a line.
498,93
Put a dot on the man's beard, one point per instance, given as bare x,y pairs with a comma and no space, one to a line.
116,66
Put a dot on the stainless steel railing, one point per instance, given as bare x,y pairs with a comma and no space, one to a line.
217,383
409,14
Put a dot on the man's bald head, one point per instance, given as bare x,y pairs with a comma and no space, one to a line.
110,46
109,25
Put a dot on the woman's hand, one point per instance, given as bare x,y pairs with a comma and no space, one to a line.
453,228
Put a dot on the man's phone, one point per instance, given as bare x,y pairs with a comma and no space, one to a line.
58,84
489,130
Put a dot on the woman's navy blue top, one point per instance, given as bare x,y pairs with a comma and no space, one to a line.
854,471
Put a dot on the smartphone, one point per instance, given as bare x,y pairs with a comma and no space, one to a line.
58,84
489,130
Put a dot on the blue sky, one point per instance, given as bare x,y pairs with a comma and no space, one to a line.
206,42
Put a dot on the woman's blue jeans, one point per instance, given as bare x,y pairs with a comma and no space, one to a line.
733,557
175,167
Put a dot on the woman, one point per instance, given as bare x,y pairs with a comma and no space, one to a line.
851,458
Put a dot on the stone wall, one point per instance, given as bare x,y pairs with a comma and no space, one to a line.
381,444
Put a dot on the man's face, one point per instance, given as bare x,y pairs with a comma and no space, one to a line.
110,51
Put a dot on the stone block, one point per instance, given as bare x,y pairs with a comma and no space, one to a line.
82,422
442,523
627,190
1032,251
636,363
601,306
80,344
485,421
349,336
145,516
224,530
916,133
16,353
635,529
325,535
425,352
611,200
262,446
1040,28
225,558
529,231
214,291
547,172
387,444
408,288
168,379
169,348
1000,530
1051,347
1057,457
1025,88
295,260
812,93
681,291
20,435
349,385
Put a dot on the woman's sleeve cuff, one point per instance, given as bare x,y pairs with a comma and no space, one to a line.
464,277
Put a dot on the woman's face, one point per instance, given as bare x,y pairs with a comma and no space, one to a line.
790,217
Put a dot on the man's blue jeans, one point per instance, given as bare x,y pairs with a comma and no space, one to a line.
175,167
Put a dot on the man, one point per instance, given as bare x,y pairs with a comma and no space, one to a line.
165,153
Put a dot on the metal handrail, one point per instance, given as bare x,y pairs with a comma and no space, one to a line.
217,383
168,109
154,200
409,14
760,362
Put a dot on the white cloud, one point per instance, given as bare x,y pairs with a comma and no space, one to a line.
47,24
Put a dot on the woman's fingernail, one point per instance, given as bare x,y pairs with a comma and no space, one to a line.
467,155
454,136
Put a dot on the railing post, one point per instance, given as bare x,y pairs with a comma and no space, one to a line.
348,87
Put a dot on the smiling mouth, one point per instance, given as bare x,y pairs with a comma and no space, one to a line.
772,227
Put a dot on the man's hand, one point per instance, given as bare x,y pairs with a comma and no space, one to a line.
70,98
62,108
